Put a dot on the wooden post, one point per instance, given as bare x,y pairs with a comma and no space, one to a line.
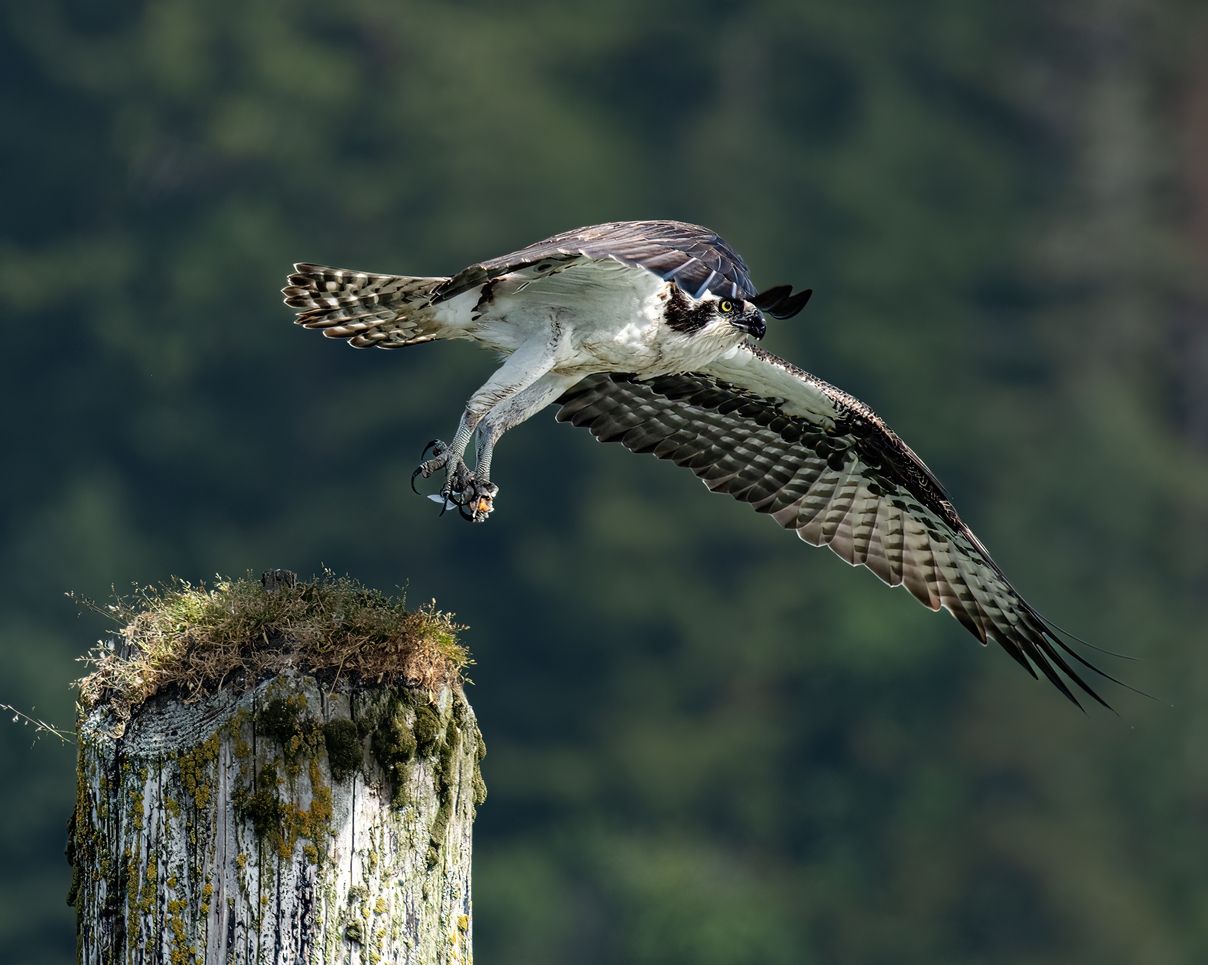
288,820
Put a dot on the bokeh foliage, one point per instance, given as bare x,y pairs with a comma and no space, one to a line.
709,743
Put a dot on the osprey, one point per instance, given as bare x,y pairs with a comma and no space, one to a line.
644,333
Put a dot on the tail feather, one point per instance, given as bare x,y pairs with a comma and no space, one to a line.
386,311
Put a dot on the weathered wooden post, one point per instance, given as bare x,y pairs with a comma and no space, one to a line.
276,774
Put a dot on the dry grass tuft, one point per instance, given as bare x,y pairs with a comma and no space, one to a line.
193,639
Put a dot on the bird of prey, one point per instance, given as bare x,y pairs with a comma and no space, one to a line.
644,333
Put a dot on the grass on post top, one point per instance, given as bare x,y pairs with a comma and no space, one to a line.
197,638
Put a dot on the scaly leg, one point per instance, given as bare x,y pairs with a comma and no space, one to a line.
499,420
523,367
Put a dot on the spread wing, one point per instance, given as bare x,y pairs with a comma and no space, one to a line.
694,257
822,463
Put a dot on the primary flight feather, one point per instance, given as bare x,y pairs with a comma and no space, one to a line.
643,332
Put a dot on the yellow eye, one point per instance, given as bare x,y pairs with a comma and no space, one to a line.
726,306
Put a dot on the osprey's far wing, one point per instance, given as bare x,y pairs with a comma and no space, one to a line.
694,257
822,463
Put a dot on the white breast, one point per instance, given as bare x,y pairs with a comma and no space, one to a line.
609,318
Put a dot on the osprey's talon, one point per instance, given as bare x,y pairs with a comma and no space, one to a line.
479,499
457,481
440,458
457,474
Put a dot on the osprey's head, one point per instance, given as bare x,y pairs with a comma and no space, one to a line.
712,315
742,315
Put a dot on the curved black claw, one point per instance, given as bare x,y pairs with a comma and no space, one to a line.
427,467
442,458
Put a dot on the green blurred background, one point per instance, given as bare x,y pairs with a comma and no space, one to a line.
709,743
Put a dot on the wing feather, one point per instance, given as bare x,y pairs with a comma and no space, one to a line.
823,464
696,258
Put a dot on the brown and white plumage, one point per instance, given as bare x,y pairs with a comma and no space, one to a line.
370,310
642,332
823,464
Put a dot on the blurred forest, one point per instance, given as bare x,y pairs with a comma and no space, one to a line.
709,743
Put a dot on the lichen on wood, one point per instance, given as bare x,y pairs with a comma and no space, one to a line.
305,815
193,638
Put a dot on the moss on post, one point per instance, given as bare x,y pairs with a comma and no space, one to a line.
273,794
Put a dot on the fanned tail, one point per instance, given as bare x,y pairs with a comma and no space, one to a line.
382,311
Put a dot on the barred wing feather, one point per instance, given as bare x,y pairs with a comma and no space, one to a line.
823,464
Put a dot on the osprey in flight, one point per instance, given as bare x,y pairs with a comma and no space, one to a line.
644,333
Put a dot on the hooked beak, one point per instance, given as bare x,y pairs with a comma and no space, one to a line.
752,323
